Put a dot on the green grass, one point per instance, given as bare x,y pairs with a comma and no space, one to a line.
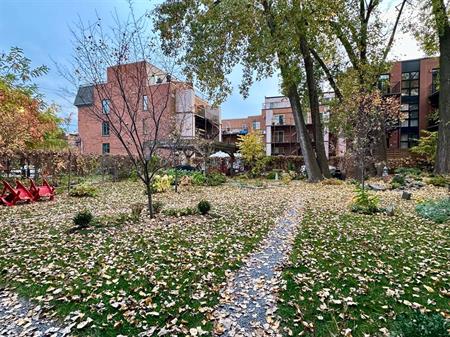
359,272
130,278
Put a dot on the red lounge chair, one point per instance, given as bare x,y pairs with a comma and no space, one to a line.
44,191
10,196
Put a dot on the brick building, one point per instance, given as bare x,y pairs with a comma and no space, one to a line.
180,107
414,81
276,123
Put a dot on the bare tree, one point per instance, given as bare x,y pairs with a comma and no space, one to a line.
136,99
372,115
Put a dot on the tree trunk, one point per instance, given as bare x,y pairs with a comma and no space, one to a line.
380,152
149,198
443,149
311,164
148,187
315,108
69,178
312,167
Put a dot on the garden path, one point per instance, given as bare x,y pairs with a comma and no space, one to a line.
248,302
19,317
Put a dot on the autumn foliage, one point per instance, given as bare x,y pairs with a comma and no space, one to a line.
25,121
23,124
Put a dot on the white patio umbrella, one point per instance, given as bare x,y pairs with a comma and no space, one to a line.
220,154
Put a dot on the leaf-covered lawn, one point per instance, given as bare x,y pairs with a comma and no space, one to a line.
157,275
353,274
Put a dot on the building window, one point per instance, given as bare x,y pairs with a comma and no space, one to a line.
278,137
105,129
256,125
244,127
106,106
410,83
411,114
145,102
278,119
404,141
408,140
384,83
105,148
434,80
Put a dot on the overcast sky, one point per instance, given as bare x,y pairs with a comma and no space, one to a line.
42,29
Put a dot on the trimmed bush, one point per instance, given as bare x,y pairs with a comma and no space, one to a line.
204,207
117,219
437,210
408,171
215,179
83,190
439,181
180,211
420,325
83,219
398,179
198,179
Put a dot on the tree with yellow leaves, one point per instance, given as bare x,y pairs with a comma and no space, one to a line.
251,147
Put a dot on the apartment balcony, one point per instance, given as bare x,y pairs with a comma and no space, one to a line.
229,131
276,105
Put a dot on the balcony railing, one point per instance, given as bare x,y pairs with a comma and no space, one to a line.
276,105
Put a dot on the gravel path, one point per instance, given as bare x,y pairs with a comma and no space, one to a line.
19,317
248,303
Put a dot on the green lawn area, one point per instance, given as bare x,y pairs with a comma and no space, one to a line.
353,274
162,274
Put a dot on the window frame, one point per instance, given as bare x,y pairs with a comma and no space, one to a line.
106,106
278,119
145,103
382,82
276,136
410,83
105,134
106,148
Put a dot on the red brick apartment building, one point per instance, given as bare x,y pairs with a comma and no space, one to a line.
414,81
180,108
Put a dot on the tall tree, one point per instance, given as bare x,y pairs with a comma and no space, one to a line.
364,42
26,122
217,36
432,28
442,17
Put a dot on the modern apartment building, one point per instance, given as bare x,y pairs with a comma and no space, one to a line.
182,109
415,82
